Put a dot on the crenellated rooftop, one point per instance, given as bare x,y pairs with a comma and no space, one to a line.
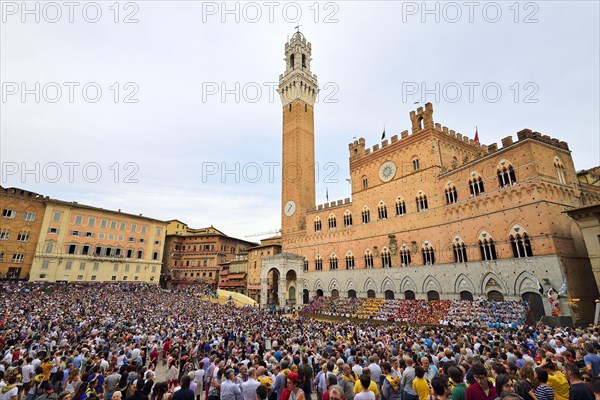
332,204
422,119
22,192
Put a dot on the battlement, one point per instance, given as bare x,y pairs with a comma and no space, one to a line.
422,118
523,135
21,192
529,134
332,204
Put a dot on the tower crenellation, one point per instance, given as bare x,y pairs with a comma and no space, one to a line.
422,118
357,148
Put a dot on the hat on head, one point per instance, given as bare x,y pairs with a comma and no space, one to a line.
293,376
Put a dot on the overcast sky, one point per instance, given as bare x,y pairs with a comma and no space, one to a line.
175,145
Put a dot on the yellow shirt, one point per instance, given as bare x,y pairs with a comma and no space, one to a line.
560,385
46,367
421,387
372,387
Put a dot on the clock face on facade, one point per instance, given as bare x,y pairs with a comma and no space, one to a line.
290,208
387,171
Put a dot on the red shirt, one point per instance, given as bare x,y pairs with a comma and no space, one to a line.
475,392
166,347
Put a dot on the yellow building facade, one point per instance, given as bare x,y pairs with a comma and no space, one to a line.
80,243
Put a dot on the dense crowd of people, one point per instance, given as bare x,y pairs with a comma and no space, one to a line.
140,342
502,314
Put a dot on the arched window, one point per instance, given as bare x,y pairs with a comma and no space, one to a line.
560,170
333,262
332,222
349,261
365,182
519,241
487,247
386,258
292,61
347,219
366,215
451,195
400,207
318,263
416,165
422,201
506,174
382,210
368,259
405,256
460,250
305,267
476,184
428,254
317,224
303,61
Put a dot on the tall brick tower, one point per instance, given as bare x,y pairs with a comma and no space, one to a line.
298,91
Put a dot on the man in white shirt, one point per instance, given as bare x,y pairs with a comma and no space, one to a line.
27,372
357,367
249,387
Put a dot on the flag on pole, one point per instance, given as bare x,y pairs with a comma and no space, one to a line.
476,138
383,134
327,194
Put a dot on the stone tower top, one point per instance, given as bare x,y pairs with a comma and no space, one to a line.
422,118
298,82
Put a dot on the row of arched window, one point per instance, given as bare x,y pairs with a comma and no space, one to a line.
506,177
519,240
505,174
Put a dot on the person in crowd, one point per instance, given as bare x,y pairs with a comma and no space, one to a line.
365,392
483,389
543,391
579,390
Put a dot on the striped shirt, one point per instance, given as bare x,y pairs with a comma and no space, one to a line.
544,392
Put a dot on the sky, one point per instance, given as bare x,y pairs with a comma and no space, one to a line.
169,109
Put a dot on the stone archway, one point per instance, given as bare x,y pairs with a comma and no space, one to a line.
536,307
273,287
290,286
280,278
